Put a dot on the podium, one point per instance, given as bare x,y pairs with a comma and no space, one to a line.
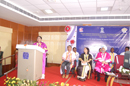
29,62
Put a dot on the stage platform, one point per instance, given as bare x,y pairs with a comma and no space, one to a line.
53,75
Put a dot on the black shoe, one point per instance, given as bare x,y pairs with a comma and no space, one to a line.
98,79
106,78
82,80
1,75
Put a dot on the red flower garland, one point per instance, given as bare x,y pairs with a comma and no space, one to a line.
67,28
72,41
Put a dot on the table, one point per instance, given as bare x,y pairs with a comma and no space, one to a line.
125,76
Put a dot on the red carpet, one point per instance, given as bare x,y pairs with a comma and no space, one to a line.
53,75
11,74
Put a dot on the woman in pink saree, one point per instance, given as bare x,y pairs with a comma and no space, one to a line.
102,62
42,45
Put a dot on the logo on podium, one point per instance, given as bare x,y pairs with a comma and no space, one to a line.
25,55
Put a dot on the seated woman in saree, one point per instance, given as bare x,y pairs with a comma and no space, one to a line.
85,62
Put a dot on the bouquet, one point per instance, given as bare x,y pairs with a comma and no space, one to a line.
123,70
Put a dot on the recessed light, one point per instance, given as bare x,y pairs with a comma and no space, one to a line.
37,12
104,8
48,11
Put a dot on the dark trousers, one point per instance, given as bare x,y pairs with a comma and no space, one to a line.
46,62
67,64
0,70
98,77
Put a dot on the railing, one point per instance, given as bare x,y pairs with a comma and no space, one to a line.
7,68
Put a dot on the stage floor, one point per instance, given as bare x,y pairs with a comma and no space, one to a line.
52,74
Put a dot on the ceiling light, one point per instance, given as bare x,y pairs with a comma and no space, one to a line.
120,8
104,8
37,12
48,11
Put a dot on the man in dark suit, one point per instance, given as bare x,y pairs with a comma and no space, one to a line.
1,56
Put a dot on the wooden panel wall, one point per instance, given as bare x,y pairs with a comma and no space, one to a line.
31,33
18,32
22,33
17,37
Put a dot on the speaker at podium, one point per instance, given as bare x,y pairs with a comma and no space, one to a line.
29,62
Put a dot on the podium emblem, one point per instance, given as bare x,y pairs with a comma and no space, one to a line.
25,55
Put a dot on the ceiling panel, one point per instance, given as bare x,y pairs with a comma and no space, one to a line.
76,13
20,2
104,12
105,3
36,2
88,4
31,8
43,7
75,10
63,14
92,10
120,8
59,6
53,14
75,6
129,8
69,5
106,0
90,13
117,12
52,1
128,11
69,1
121,3
88,8
61,10
87,0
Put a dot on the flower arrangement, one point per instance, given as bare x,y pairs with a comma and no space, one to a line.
17,82
11,81
123,70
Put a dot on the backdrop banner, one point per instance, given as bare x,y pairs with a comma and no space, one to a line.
94,37
71,36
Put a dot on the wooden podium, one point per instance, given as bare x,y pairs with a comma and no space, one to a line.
29,62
